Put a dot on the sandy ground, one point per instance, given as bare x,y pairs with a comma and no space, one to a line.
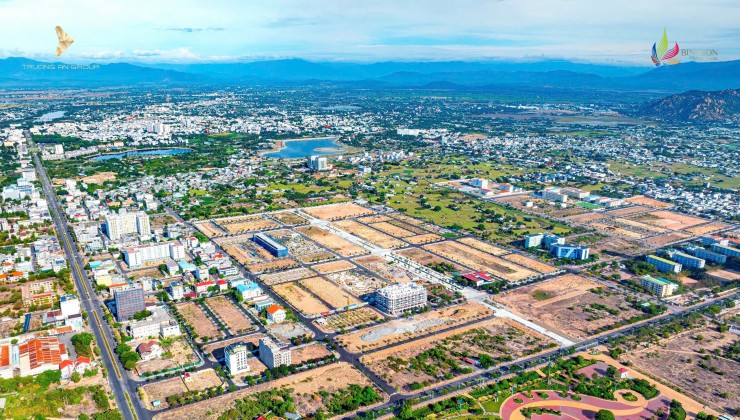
198,319
308,352
300,299
650,202
216,349
317,257
270,266
629,210
425,258
374,219
99,178
708,228
333,267
248,225
289,218
357,282
392,230
480,261
338,211
286,276
403,329
672,221
483,246
568,309
331,241
349,319
381,267
305,385
531,263
182,354
639,225
369,234
208,229
422,239
588,217
161,390
230,315
667,238
329,293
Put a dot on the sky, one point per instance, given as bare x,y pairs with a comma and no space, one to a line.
184,31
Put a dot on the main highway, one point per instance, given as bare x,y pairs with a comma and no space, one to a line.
123,388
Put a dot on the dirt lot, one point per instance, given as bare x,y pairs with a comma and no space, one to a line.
357,282
392,230
666,239
300,299
423,239
345,320
374,219
403,329
425,258
289,218
708,228
333,267
247,224
286,276
499,338
629,210
161,390
567,304
241,254
306,386
588,217
331,241
236,321
317,257
676,360
369,234
530,263
328,292
669,220
181,352
647,201
285,331
208,229
381,267
483,246
480,261
308,352
99,178
270,266
338,211
198,320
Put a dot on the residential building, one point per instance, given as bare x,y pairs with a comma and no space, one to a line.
249,290
276,314
400,297
573,252
69,305
150,350
685,259
159,323
318,163
706,254
129,300
38,355
659,286
272,355
664,265
726,250
125,223
276,248
236,358
176,290
554,194
136,256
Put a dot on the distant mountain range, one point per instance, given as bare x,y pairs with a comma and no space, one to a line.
695,106
22,72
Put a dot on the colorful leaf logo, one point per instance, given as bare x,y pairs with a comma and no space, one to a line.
661,54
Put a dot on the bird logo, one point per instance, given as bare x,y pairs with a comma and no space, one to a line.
661,54
64,41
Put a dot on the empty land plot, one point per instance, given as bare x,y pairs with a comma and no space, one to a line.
313,351
666,239
302,300
403,329
683,360
329,293
617,231
639,226
250,224
381,267
374,219
357,282
338,211
570,304
588,217
641,200
332,241
306,388
317,257
392,229
408,219
369,234
241,254
426,258
531,263
349,319
628,211
289,218
180,354
209,229
270,266
423,239
286,276
198,321
669,220
422,362
234,319
409,227
201,380
483,246
333,267
480,261
708,228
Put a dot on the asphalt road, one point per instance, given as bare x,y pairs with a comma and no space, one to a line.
122,387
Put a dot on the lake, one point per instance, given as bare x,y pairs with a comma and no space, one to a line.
50,116
307,147
154,152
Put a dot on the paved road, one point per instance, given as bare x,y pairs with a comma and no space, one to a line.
120,384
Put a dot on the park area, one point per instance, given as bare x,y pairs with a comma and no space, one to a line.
406,328
197,320
310,391
420,363
571,305
230,315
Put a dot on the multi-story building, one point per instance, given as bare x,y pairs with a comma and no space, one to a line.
664,265
534,240
136,256
38,355
276,248
543,240
479,183
659,286
69,305
124,223
706,254
176,290
273,355
400,297
249,290
129,300
685,259
236,357
554,194
575,192
726,250
573,252
318,163
159,323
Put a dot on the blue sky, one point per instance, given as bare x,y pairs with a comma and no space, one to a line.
617,32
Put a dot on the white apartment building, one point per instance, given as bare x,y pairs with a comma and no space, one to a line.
124,223
272,355
400,297
318,163
136,256
236,357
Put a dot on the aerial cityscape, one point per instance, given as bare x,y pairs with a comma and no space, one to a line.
370,211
